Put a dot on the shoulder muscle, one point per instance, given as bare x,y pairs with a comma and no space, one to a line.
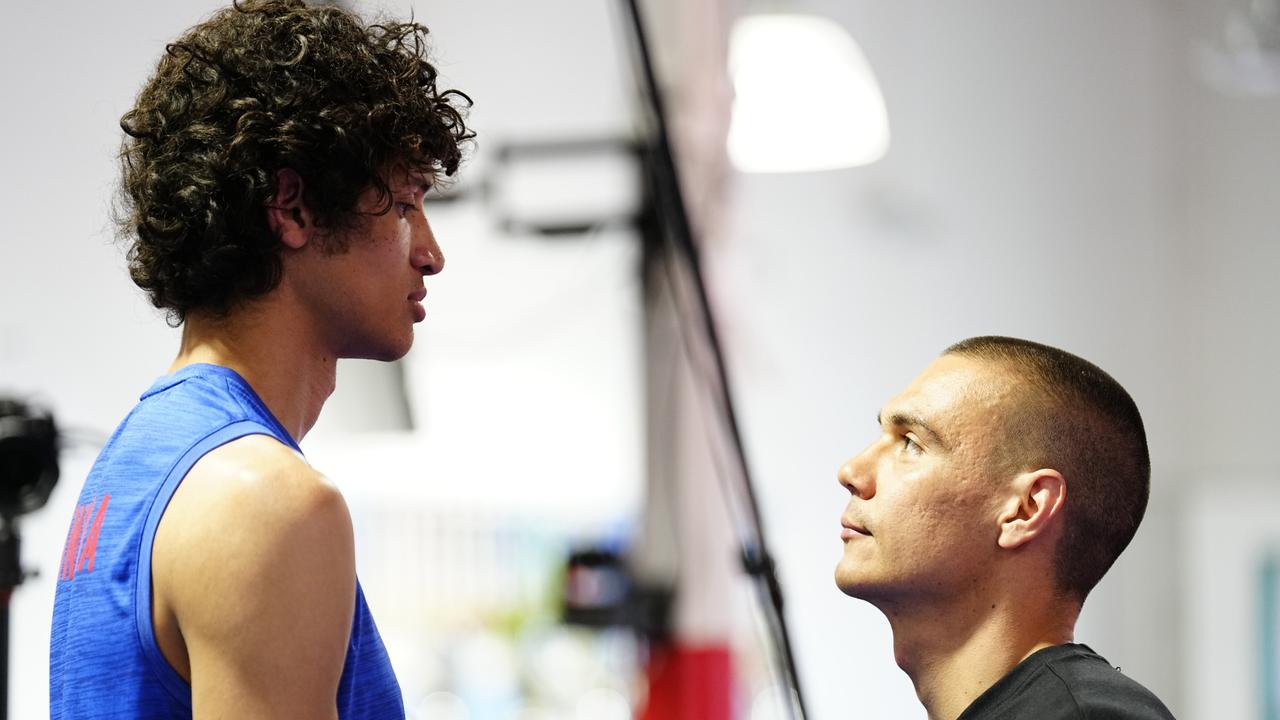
255,558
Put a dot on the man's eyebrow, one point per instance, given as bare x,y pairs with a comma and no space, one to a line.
915,422
416,180
421,184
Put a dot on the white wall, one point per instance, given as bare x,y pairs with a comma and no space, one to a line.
1231,513
1056,173
1236,529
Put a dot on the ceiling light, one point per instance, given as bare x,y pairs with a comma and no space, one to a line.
805,97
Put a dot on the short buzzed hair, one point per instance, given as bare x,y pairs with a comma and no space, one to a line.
1078,420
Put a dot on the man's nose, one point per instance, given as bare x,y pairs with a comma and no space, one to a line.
427,256
857,475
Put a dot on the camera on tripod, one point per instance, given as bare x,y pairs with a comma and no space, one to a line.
28,458
28,472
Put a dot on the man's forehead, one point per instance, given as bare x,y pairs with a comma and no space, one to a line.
419,177
950,384
407,177
402,172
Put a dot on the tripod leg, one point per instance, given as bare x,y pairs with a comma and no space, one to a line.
5,594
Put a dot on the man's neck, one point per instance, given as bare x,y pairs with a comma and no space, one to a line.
288,370
956,650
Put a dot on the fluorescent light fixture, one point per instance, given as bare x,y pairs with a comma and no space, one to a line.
805,98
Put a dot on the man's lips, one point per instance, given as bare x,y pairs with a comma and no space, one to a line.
850,529
419,312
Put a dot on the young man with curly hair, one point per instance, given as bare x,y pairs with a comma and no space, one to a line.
273,179
1006,480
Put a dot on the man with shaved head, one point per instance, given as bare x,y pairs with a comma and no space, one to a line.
1006,480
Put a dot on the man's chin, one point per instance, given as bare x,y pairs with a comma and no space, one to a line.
389,356
385,352
848,581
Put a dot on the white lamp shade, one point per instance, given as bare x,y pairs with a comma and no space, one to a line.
805,98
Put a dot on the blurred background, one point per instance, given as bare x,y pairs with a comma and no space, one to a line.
1101,176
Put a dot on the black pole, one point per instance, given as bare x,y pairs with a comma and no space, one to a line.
5,594
10,577
668,196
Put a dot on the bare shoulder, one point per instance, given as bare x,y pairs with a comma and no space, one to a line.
253,564
252,496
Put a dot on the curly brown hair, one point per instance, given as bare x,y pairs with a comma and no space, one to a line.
258,87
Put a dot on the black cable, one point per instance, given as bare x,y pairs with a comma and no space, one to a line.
771,620
668,198
770,594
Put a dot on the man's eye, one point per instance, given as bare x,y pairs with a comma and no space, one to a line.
910,445
403,208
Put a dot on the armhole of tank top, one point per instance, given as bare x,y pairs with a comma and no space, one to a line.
176,686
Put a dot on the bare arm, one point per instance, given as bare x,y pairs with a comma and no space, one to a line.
254,568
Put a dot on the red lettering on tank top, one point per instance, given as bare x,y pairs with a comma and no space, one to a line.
82,541
73,545
91,543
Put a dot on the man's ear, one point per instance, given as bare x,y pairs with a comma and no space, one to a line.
287,213
1035,508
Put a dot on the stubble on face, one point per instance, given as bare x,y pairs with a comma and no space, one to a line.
932,515
358,285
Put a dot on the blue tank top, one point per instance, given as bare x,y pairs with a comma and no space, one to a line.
103,659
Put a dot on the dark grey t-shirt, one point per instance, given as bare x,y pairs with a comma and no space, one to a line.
1066,682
